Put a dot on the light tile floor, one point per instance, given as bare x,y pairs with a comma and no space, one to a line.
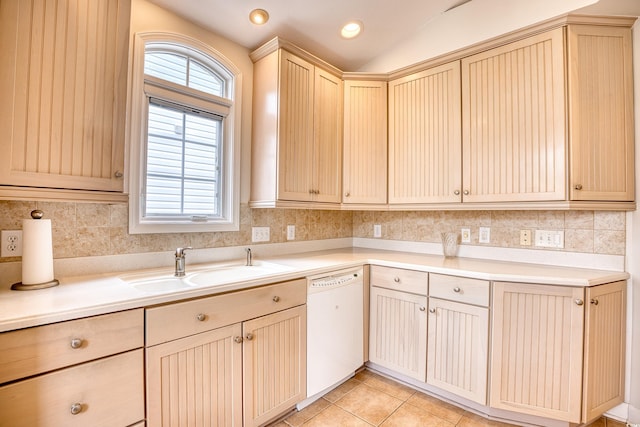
369,399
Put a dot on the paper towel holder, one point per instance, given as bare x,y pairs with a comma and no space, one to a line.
35,214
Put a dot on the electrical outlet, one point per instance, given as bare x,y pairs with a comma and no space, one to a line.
260,234
549,239
465,235
11,243
484,235
291,232
525,237
377,230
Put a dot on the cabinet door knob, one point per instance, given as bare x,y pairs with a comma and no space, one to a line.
432,310
238,340
76,342
347,194
578,187
456,289
76,408
118,174
276,299
396,279
422,308
594,301
249,336
465,192
457,192
578,301
201,317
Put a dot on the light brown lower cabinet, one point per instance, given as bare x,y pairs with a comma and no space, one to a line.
457,348
243,374
107,392
558,352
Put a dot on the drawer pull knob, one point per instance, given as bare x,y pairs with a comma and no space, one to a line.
396,279
238,340
579,301
76,342
432,310
594,301
276,299
422,308
201,317
457,192
76,408
465,192
249,336
456,289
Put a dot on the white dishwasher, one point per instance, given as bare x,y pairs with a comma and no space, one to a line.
335,329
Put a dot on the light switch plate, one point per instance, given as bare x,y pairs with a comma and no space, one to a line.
377,230
549,239
484,235
260,234
465,235
291,232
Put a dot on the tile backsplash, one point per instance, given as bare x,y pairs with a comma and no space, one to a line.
94,229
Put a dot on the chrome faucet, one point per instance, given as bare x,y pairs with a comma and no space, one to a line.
180,254
249,257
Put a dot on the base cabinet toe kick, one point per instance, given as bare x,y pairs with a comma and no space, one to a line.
521,352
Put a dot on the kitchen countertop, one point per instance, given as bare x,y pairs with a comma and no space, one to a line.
84,296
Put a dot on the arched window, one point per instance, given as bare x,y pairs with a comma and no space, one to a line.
184,143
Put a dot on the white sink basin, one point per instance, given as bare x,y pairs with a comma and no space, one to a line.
160,284
235,272
206,276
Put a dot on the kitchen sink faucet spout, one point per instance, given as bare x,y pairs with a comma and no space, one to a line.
249,257
180,258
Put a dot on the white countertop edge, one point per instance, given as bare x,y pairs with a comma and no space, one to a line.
84,296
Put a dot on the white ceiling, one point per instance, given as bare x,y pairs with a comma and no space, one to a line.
315,25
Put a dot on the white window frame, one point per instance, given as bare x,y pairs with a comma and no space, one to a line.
142,88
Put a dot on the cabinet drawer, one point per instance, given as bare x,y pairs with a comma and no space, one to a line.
107,392
40,349
461,289
178,320
415,282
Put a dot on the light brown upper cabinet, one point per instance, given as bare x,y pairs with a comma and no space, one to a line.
364,172
64,80
425,136
297,132
513,116
601,128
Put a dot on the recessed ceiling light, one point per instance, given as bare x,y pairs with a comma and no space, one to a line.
351,29
259,16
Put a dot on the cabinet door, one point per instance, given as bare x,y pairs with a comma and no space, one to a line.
604,352
274,364
398,332
513,121
457,348
601,113
536,350
364,175
64,79
424,136
295,133
326,164
196,380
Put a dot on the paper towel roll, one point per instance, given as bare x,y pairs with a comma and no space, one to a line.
37,251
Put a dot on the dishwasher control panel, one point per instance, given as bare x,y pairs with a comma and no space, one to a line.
335,279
